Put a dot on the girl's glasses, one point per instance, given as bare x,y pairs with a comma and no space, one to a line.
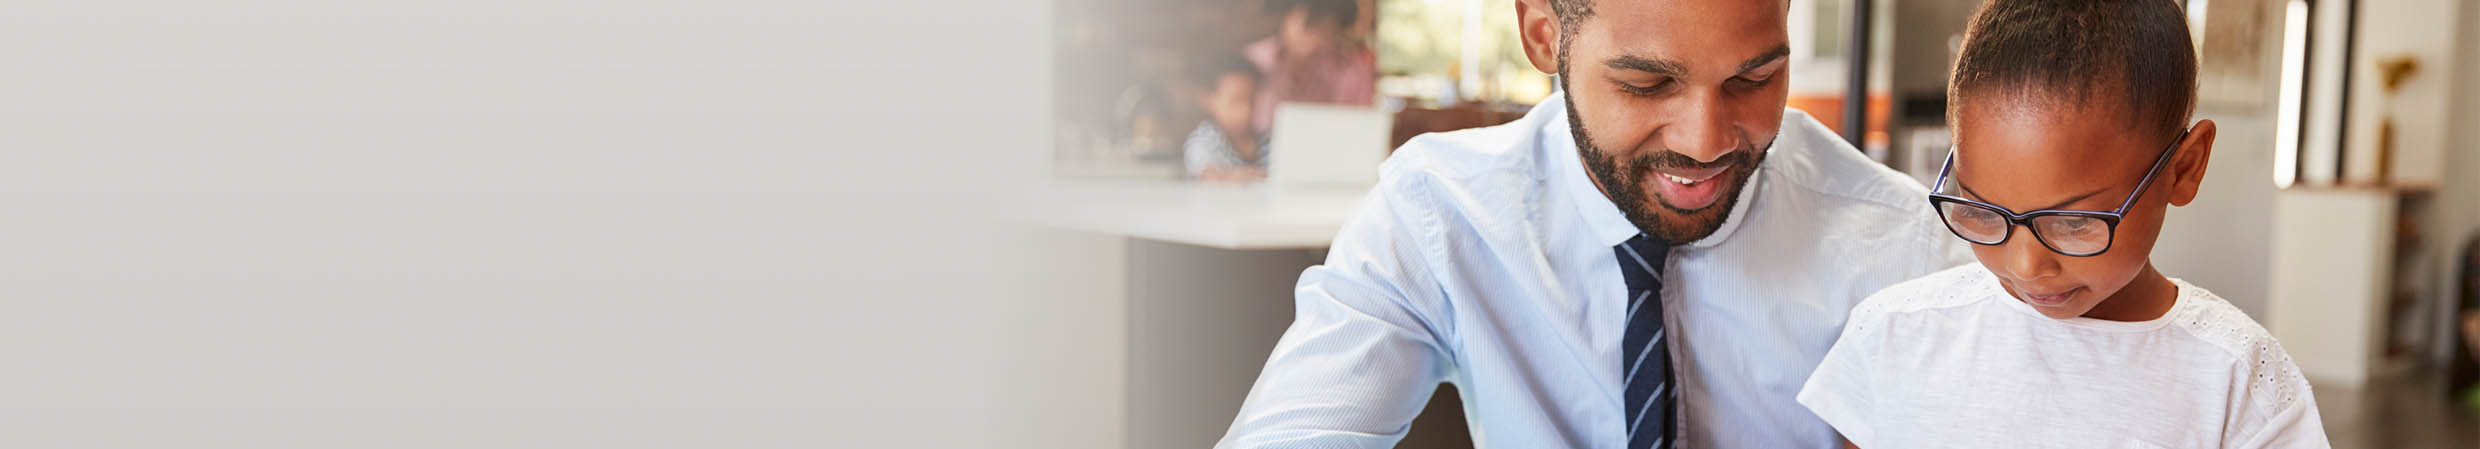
2077,233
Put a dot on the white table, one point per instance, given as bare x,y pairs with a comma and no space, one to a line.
1235,217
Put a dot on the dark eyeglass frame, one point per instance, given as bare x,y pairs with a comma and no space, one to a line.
1937,205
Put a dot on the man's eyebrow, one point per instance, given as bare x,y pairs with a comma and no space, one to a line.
1769,57
2061,204
1642,64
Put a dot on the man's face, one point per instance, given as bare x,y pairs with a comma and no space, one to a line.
1674,103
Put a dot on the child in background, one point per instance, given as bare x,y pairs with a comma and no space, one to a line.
2072,141
1225,147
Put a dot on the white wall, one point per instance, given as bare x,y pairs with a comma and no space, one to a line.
2223,240
537,224
2422,30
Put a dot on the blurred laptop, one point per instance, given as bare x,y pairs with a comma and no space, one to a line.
1326,146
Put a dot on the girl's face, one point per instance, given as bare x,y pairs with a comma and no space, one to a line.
2028,155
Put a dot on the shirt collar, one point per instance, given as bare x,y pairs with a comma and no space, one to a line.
1739,212
1602,218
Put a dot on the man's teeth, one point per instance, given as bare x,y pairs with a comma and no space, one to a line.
1680,180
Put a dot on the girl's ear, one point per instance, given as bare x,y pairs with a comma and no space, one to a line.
2186,170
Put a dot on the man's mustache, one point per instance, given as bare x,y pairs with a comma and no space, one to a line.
1667,159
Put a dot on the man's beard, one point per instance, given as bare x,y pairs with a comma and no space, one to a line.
1624,184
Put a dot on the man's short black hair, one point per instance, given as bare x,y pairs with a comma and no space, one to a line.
1340,13
2070,53
1571,14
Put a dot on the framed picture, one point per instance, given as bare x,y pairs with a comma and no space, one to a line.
2238,50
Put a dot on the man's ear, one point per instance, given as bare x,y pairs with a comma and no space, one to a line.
2187,169
1540,29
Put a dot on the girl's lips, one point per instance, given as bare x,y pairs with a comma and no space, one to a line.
2051,299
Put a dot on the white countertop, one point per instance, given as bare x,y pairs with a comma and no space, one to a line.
1242,217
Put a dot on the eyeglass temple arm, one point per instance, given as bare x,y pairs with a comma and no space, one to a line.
1943,170
2148,174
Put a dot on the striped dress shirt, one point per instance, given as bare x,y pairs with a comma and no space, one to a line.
1483,259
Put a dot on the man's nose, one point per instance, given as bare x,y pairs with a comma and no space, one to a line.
1704,129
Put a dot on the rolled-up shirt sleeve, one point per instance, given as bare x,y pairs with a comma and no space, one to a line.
1363,354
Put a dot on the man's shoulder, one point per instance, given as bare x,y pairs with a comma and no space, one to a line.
1502,150
1810,159
1446,171
1860,209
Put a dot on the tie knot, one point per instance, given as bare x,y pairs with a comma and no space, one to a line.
1648,245
1642,256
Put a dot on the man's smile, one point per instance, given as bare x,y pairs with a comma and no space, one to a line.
1687,188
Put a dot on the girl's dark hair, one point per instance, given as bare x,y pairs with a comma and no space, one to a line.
2069,52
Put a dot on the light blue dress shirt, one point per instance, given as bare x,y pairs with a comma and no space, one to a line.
1483,259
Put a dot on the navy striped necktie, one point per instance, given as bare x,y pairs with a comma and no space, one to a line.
1644,358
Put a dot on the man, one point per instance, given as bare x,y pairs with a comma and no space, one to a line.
1656,257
